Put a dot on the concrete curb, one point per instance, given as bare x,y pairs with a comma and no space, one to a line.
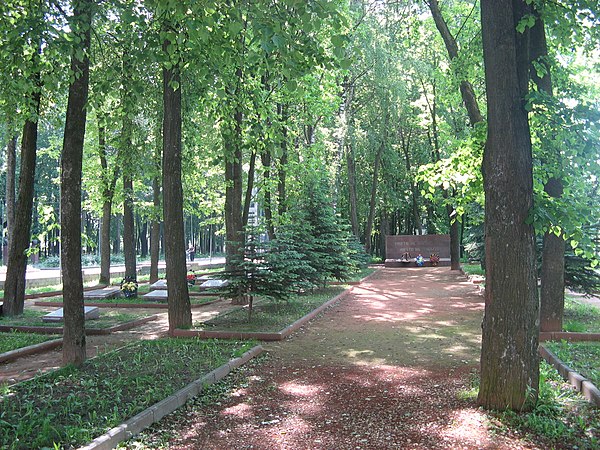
579,382
263,336
30,350
159,410
88,332
568,336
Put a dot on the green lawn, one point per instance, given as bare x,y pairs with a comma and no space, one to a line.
473,269
14,340
31,318
583,357
580,317
69,407
271,316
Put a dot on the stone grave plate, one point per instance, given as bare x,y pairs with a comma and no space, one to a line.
160,284
214,284
90,313
107,292
156,295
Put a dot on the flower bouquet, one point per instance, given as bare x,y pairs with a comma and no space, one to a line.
434,258
420,261
129,287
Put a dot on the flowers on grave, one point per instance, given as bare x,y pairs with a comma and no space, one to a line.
191,278
434,258
129,287
420,261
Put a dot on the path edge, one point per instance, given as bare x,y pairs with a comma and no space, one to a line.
154,413
30,350
578,381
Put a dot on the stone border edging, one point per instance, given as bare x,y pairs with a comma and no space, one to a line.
262,336
579,382
30,350
157,411
568,336
88,332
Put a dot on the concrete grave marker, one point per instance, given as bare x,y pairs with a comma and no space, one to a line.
107,292
90,313
160,295
214,284
160,284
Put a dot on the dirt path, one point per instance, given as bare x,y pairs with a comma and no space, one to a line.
383,369
27,367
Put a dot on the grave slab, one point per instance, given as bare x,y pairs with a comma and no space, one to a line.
156,295
90,313
214,284
158,285
107,292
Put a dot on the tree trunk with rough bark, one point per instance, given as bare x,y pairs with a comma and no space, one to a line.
552,276
14,286
268,197
74,351
108,194
129,229
249,189
509,358
11,171
180,312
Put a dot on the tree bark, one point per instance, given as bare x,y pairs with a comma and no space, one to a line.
11,171
509,358
155,226
14,286
552,276
180,312
249,189
353,197
108,194
70,185
266,163
234,226
369,226
282,111
129,229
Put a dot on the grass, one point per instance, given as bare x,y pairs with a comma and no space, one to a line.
69,407
50,288
362,273
15,340
562,417
31,318
270,316
473,269
583,357
580,317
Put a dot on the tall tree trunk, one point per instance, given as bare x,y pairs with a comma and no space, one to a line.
109,182
268,197
369,226
552,276
509,358
249,189
353,197
143,238
129,228
14,286
180,312
11,170
234,225
70,186
155,226
470,101
117,239
466,89
282,111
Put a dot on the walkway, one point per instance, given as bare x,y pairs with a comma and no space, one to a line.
383,369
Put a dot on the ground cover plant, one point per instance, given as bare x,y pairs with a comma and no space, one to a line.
473,269
583,357
271,315
562,416
15,340
580,317
70,407
33,318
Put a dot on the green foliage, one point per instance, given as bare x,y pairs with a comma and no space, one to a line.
15,340
579,276
582,357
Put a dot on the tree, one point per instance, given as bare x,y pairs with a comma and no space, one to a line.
180,315
70,185
509,359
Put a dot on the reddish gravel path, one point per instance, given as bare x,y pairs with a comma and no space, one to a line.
383,369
